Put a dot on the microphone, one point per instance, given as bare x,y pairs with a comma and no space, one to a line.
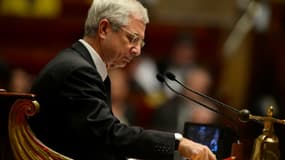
172,77
243,114
161,79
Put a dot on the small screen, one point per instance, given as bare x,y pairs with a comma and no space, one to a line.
204,134
218,139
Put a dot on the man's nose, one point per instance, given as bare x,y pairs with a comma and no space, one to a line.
136,51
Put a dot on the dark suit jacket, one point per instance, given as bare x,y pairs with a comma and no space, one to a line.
76,119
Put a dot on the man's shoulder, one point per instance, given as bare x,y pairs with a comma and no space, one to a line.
65,62
69,58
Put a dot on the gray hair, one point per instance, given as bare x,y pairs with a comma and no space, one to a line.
116,11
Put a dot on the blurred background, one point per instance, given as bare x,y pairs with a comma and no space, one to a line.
240,44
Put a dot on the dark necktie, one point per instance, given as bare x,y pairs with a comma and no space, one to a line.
107,84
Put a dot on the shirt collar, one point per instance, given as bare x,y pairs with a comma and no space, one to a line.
99,63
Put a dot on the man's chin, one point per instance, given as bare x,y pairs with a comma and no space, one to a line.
116,66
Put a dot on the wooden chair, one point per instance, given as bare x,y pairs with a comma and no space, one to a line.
17,140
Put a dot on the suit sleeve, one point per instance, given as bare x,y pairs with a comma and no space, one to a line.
92,117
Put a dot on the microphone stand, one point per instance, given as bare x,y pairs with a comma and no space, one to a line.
266,145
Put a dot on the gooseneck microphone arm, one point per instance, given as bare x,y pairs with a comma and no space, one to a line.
243,114
161,78
172,77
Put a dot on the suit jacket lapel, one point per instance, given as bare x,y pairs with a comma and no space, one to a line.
80,48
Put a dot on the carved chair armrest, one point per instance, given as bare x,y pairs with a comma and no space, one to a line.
24,143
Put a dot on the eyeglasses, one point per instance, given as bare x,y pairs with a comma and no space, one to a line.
134,38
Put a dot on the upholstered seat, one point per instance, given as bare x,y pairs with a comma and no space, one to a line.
17,140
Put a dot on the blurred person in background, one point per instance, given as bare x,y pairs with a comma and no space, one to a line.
182,58
14,79
120,91
146,92
20,80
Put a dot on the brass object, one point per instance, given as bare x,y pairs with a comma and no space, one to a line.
266,146
24,144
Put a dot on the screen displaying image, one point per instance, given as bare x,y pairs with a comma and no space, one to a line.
204,134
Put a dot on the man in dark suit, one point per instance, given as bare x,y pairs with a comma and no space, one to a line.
74,92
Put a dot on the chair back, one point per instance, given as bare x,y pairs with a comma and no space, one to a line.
17,140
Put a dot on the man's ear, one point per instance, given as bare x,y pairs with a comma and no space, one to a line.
103,28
